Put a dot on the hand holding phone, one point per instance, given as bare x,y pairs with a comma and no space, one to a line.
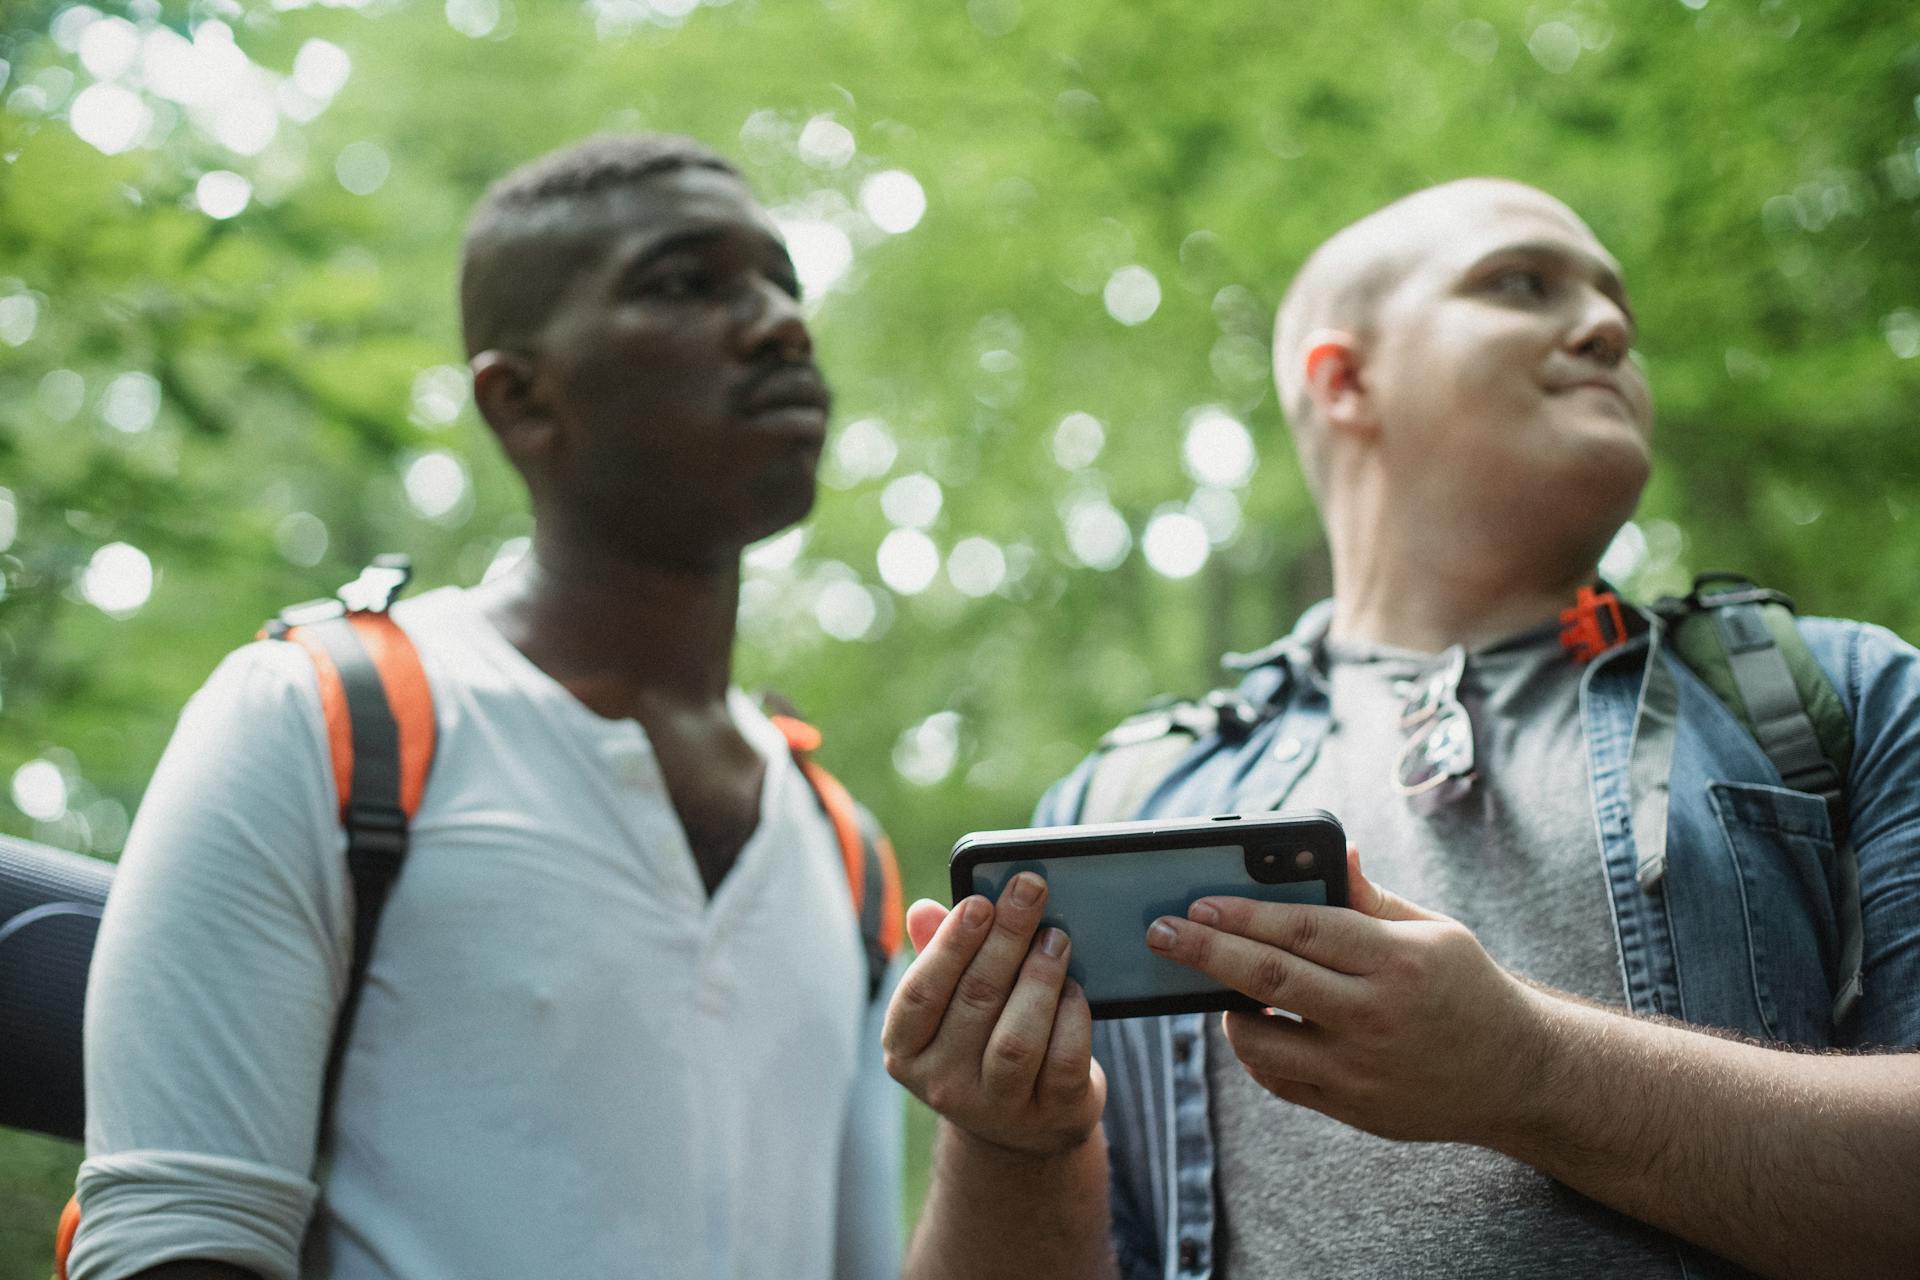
1106,883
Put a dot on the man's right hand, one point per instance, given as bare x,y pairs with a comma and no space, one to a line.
987,1029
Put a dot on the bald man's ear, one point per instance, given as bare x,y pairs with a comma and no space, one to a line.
503,391
1331,369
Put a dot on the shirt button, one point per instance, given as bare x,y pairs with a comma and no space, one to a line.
1286,749
1182,1048
1189,1255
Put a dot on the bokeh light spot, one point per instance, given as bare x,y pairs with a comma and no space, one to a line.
362,167
61,394
1097,535
1902,328
19,317
320,69
913,501
976,567
40,791
118,580
1175,544
301,538
925,753
1132,295
893,201
222,193
1077,441
862,451
109,118
439,394
1555,46
1218,512
821,252
1625,554
69,26
436,484
777,554
845,610
109,47
1218,449
131,402
825,143
907,560
1475,40
473,18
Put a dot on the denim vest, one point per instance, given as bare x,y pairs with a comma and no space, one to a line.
1739,932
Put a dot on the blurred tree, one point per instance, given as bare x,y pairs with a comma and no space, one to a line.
1043,244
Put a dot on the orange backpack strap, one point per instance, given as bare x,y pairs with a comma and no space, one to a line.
63,1238
380,740
873,873
380,736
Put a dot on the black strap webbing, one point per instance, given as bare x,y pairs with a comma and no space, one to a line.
376,826
872,906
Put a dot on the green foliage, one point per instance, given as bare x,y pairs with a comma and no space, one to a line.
1751,162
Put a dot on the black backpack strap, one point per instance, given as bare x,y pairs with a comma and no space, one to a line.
375,824
873,903
376,790
1742,641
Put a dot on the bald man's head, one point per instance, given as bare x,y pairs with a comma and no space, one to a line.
1344,283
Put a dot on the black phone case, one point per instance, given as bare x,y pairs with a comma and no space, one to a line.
1311,830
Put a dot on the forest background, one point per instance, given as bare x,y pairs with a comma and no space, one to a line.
1042,244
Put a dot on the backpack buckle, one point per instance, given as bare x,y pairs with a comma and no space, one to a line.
375,590
304,614
1740,589
375,827
1593,625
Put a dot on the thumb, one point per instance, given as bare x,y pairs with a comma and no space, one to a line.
1368,898
923,917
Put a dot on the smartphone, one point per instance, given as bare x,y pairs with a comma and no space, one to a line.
1107,882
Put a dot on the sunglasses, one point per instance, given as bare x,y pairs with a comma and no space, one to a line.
1437,757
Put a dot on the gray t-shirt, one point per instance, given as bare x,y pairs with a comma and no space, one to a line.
1515,859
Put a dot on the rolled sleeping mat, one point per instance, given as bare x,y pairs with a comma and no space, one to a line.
50,903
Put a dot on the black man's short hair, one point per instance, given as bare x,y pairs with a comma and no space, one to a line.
515,259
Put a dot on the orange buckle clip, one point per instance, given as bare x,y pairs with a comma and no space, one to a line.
1581,632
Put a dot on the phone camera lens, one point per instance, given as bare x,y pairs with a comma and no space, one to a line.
1304,859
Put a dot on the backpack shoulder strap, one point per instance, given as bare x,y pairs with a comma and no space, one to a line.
873,873
380,735
380,740
1741,640
1136,755
1743,643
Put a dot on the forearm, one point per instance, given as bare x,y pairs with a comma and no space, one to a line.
1789,1163
994,1213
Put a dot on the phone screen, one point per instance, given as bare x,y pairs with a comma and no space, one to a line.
1105,903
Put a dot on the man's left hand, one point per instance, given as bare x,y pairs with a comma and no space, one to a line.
1408,1028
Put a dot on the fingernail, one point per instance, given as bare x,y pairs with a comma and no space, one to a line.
1203,912
1160,936
973,912
1025,889
1053,942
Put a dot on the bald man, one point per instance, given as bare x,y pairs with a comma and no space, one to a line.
1495,1073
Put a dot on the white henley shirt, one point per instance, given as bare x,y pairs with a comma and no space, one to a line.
568,1060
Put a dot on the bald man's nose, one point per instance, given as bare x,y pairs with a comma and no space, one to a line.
1602,331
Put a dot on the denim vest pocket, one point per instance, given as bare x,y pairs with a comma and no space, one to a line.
1782,844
